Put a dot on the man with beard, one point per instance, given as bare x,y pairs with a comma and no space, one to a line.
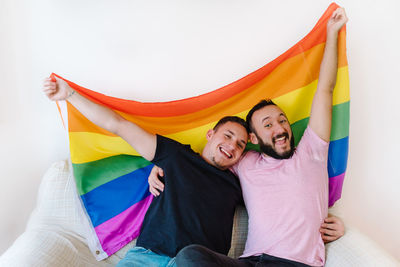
285,190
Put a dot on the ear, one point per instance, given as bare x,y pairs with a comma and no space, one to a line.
209,134
253,138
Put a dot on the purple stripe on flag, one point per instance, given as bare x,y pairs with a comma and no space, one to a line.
335,188
123,228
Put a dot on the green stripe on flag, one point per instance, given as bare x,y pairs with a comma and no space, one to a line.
90,175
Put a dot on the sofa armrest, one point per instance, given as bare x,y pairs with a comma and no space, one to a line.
43,248
56,233
356,249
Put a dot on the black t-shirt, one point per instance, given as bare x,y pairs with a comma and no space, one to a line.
196,207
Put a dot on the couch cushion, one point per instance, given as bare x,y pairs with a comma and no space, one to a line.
239,233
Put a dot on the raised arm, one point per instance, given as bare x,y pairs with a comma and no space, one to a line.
143,142
321,110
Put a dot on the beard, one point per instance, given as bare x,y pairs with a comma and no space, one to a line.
270,151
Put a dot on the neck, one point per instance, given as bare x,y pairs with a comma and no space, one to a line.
212,162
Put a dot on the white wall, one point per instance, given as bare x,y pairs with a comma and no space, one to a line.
164,50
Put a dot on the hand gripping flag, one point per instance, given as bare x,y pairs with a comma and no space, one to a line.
111,177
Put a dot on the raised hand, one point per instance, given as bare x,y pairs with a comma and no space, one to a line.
56,91
155,185
337,21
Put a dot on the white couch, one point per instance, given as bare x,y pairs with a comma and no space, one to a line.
56,236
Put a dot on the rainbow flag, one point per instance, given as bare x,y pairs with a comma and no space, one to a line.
111,177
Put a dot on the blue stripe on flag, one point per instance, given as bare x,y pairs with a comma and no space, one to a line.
112,198
337,159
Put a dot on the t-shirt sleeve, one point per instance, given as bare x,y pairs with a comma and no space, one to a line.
313,145
165,148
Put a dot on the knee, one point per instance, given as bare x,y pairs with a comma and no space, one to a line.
192,255
192,250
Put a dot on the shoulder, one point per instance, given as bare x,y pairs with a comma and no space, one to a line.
312,145
167,147
248,157
171,143
311,138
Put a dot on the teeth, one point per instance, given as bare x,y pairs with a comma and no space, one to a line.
225,152
281,138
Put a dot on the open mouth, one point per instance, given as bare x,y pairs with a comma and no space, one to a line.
280,139
226,153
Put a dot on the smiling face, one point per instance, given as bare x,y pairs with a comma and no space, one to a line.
225,145
271,130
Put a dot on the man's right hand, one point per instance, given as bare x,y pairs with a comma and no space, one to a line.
56,90
143,142
155,185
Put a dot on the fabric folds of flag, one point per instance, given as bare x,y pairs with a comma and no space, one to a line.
111,177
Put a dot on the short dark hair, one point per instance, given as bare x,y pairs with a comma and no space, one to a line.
260,105
234,119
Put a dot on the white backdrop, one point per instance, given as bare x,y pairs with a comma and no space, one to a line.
166,50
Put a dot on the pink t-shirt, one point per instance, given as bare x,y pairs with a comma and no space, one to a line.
287,201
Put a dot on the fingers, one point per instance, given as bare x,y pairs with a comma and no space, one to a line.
49,84
327,238
331,219
329,235
158,184
338,12
49,87
330,226
155,185
331,229
332,222
154,191
335,13
326,231
160,172
339,15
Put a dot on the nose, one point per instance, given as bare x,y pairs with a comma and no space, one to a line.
278,129
232,144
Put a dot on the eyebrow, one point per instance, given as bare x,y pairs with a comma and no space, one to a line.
232,133
266,118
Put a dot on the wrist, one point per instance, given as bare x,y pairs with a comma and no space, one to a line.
333,34
331,37
71,93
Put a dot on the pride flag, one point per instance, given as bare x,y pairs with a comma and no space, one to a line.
111,177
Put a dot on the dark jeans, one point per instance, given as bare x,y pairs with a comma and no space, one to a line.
199,256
